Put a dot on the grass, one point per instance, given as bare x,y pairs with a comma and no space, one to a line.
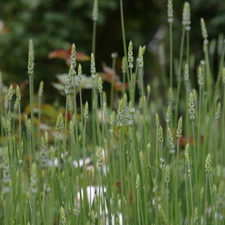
119,162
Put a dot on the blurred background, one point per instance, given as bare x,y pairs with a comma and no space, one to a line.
56,24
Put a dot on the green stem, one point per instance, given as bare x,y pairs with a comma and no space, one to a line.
138,207
31,91
195,153
84,178
113,81
205,203
94,36
156,177
94,113
1,111
20,127
121,160
65,128
219,76
223,132
179,72
39,120
171,55
209,80
187,197
140,79
187,46
167,202
191,193
199,128
76,120
123,32
176,174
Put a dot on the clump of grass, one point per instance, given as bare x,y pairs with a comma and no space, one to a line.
167,170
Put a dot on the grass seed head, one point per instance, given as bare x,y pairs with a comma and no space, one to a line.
130,55
41,87
170,11
186,16
167,174
95,11
208,163
31,58
179,128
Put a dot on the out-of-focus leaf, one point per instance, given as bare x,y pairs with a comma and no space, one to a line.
66,55
220,171
109,75
58,86
85,83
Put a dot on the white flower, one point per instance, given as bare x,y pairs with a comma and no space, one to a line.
92,192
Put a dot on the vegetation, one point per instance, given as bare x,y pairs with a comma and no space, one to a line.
115,159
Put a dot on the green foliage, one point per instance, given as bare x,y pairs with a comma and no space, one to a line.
51,25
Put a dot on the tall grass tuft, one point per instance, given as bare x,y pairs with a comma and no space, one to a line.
123,161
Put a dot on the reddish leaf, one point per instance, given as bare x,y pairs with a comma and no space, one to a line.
66,54
22,85
184,140
69,116
109,75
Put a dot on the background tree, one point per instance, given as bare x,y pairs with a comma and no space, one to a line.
55,24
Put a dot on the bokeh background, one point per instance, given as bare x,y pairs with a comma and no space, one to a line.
56,24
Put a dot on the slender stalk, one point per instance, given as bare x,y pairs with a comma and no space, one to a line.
1,107
65,127
199,130
222,132
187,197
195,153
220,74
31,93
171,55
94,37
187,47
123,31
209,80
113,81
95,19
179,72
76,120
40,92
206,203
121,151
20,126
138,202
156,176
191,195
176,182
